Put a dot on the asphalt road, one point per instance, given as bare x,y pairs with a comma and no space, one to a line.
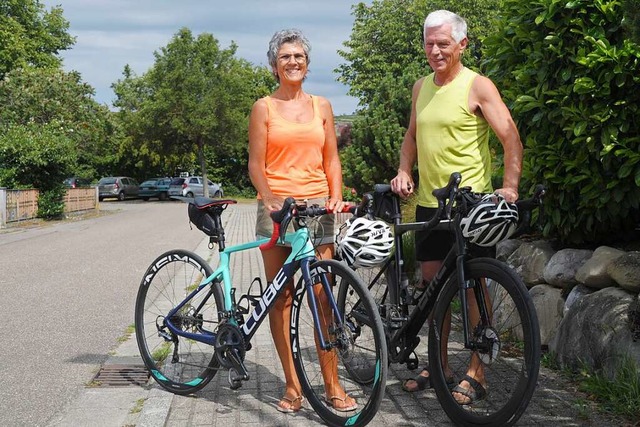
67,292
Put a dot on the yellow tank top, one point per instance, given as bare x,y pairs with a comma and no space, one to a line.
293,160
450,138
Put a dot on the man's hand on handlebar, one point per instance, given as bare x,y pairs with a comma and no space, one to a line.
402,184
509,194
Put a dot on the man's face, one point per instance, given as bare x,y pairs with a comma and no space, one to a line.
443,53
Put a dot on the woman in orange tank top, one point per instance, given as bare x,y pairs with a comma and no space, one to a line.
293,152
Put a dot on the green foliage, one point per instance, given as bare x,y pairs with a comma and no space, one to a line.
50,203
31,36
385,57
631,21
34,156
571,78
38,96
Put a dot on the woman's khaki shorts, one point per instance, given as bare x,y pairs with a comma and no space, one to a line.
321,228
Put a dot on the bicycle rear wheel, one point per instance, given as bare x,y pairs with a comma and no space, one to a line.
178,364
340,364
509,355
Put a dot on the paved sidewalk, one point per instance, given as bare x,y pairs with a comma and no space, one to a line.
554,402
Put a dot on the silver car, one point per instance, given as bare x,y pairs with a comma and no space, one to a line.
118,187
191,186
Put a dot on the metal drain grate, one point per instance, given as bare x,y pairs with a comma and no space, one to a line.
121,376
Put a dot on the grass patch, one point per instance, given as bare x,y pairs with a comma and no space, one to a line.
137,408
618,396
127,333
161,353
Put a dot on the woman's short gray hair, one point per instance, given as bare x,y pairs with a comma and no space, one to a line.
281,37
441,17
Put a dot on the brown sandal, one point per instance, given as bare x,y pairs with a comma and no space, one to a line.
330,402
290,402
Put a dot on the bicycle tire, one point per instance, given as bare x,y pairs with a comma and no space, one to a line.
377,280
307,358
511,362
166,283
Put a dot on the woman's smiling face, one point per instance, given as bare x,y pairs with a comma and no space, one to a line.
291,62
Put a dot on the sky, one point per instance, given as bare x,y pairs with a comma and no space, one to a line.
113,33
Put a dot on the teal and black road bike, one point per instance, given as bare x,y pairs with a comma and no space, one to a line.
478,310
189,323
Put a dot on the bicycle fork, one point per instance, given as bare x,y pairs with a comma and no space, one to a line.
309,281
479,336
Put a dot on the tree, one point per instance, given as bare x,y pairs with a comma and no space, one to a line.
385,57
31,36
195,99
50,96
571,76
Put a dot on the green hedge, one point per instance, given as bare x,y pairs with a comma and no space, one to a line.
570,72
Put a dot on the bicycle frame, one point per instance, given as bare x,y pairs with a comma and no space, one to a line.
403,339
302,255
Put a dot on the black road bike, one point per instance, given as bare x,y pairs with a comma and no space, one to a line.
480,312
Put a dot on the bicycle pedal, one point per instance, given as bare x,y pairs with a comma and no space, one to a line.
235,379
412,361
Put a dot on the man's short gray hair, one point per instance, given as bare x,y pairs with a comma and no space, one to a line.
440,17
291,35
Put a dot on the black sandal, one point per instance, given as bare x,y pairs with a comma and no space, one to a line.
476,393
421,381
425,382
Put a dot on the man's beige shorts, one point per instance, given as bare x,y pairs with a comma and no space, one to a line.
321,229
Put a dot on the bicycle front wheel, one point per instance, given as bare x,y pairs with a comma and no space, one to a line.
377,280
326,375
178,364
505,358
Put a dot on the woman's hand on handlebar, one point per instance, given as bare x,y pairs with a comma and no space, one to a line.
335,204
273,203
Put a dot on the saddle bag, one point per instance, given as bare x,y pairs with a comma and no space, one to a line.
385,206
203,220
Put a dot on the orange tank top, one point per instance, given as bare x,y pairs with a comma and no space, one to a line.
293,160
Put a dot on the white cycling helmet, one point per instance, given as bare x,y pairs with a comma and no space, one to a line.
491,221
365,243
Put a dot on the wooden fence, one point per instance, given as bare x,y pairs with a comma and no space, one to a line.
20,205
80,199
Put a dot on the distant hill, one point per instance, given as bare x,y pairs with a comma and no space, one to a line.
345,118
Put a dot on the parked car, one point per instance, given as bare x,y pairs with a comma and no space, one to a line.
75,182
119,187
191,186
155,187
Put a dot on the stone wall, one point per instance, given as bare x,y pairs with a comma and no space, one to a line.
587,301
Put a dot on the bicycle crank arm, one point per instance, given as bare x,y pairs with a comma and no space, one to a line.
238,366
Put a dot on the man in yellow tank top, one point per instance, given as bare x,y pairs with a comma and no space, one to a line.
452,111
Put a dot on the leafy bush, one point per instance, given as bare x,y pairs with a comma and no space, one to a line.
571,78
50,203
35,156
